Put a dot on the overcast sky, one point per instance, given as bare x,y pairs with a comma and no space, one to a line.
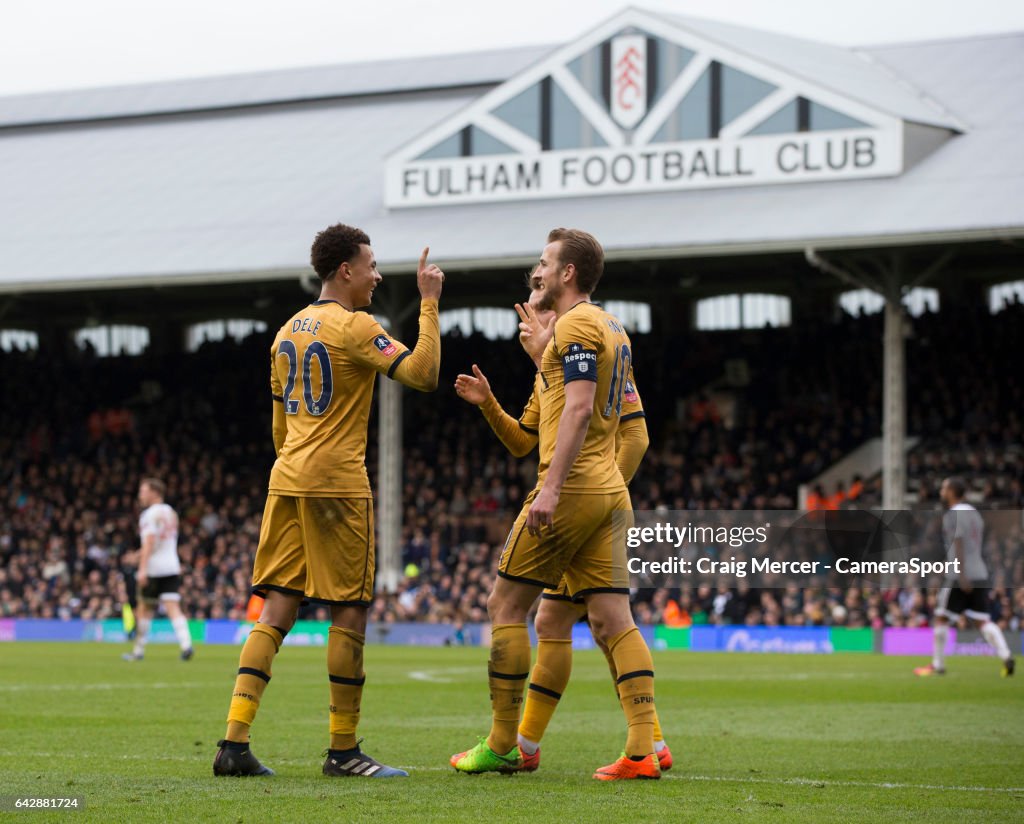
62,44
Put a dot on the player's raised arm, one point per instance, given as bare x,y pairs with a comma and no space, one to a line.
518,436
429,277
368,343
419,368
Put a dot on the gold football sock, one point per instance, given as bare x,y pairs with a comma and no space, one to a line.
635,666
658,735
507,671
261,646
547,683
611,665
345,670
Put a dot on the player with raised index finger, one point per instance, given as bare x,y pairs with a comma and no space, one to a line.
316,541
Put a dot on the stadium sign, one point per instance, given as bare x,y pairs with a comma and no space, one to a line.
641,105
766,639
799,640
649,168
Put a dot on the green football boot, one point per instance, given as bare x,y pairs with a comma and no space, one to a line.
483,759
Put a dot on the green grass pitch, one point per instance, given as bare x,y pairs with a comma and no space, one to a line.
756,738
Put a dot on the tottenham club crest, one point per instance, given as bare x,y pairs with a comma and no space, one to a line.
629,79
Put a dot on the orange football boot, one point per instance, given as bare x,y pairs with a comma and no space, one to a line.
626,768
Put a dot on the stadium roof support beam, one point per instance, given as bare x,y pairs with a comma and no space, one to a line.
890,284
894,381
940,263
894,397
389,484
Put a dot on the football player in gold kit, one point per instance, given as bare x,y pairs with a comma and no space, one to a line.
316,540
566,530
558,612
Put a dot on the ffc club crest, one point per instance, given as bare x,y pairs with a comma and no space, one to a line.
629,79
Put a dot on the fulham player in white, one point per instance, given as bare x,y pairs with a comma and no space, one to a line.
159,571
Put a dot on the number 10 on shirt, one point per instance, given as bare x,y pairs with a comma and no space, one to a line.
620,374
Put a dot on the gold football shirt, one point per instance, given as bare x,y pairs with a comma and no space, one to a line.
323,364
588,344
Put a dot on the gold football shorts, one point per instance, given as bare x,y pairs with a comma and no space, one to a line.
561,593
319,548
585,551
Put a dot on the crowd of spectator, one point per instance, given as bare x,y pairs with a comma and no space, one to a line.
201,422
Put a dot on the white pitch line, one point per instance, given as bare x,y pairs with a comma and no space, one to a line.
824,782
811,782
436,676
119,686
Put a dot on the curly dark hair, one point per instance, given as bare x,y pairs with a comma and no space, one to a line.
334,246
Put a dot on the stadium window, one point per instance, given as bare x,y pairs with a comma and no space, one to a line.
18,340
722,312
822,118
635,316
1004,295
496,324
691,119
921,300
741,91
759,311
216,330
449,147
109,341
861,302
523,111
492,322
743,312
461,319
569,128
484,143
868,302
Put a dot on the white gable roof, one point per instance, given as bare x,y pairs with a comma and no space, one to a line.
851,73
794,66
